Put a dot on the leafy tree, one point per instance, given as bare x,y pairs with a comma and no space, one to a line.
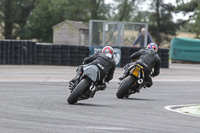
195,26
161,24
51,12
98,11
193,22
186,7
159,17
13,16
125,9
46,14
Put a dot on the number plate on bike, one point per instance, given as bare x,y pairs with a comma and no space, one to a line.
136,71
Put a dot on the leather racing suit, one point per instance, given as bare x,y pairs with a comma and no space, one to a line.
105,62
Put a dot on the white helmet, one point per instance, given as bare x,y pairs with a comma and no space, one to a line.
108,49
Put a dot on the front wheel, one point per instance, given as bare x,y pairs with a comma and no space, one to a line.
124,87
78,91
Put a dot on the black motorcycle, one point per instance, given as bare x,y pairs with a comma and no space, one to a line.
132,83
86,85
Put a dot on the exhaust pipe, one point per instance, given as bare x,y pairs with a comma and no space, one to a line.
140,81
92,87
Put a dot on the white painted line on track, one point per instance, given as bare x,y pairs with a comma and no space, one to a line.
175,107
107,128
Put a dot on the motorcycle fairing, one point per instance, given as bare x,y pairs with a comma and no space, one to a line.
92,72
137,71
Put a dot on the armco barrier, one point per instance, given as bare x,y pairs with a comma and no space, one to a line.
29,53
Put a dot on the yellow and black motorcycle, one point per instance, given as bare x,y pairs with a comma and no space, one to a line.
132,83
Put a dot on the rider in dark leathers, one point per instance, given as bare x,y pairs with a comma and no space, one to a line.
149,59
104,61
105,64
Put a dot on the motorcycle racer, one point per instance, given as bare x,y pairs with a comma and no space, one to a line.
149,59
104,61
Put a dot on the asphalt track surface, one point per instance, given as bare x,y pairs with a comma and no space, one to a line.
33,100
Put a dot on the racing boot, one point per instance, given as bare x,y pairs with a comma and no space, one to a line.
101,87
125,74
72,83
127,68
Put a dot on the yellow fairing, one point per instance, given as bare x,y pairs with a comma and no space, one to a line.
137,69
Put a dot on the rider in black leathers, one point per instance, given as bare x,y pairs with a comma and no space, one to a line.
105,62
149,59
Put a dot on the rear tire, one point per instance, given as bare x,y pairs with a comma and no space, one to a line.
124,87
78,91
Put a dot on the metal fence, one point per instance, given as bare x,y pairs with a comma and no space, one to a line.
114,33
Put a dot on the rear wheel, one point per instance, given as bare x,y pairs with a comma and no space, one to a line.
78,91
124,87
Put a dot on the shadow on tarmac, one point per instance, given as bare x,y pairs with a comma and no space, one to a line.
89,105
139,99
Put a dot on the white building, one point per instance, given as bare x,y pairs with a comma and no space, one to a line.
71,33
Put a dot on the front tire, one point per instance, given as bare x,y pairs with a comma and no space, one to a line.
124,87
78,91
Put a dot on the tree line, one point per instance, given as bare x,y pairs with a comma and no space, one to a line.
33,19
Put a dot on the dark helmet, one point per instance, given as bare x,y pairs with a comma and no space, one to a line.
108,49
153,47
